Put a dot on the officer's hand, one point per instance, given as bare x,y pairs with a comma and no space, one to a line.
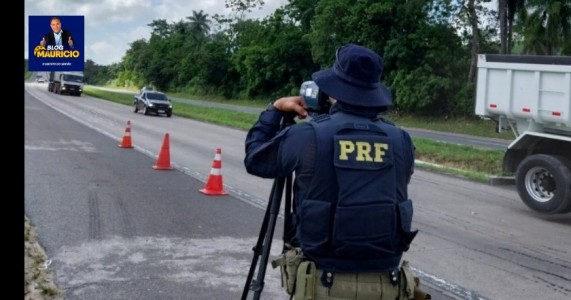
43,42
294,104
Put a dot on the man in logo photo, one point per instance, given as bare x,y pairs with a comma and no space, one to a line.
58,36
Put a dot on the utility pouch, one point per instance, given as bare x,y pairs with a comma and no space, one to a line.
411,284
289,262
306,279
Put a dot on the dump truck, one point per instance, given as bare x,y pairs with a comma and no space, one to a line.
531,97
70,83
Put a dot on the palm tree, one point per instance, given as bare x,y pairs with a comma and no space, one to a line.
545,26
160,28
513,6
180,27
199,24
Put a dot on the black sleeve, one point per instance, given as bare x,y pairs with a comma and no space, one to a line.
67,34
48,38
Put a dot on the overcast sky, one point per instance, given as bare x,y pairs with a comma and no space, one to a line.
111,25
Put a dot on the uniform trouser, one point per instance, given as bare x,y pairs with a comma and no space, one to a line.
361,286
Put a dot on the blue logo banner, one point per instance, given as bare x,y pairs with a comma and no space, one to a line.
56,43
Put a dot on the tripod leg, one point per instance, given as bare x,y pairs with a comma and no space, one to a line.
275,208
257,250
262,248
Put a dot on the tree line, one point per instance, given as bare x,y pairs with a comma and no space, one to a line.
429,47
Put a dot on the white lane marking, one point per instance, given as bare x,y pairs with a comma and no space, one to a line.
446,287
65,145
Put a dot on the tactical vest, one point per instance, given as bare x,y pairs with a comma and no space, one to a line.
355,215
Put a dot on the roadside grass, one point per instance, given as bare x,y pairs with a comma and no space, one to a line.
241,102
471,162
121,98
467,161
230,118
469,126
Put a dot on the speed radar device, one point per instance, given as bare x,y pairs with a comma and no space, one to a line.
316,100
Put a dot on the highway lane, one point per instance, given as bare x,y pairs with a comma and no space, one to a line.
115,228
474,240
453,138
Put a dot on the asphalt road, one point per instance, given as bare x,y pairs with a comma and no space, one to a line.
115,228
460,139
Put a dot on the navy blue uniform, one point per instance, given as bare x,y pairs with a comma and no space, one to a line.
351,206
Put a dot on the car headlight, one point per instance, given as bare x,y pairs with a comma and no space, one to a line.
151,104
170,105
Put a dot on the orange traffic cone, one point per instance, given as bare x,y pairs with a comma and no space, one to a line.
214,184
164,159
126,142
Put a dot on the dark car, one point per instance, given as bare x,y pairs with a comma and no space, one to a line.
152,102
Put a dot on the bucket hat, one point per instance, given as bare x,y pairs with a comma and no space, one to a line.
355,78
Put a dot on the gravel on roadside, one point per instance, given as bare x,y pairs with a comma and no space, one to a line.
38,279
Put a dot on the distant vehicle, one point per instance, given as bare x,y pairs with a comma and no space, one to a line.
154,102
40,79
70,83
530,96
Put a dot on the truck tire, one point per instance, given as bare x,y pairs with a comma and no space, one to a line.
544,183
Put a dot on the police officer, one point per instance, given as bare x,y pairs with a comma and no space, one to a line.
352,215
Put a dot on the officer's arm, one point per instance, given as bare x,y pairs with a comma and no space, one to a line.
411,156
261,150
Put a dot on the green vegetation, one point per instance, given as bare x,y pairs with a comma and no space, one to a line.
121,98
461,157
460,160
429,49
218,116
469,126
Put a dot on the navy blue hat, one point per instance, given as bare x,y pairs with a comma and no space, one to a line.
355,78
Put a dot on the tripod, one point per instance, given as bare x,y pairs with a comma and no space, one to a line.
264,243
